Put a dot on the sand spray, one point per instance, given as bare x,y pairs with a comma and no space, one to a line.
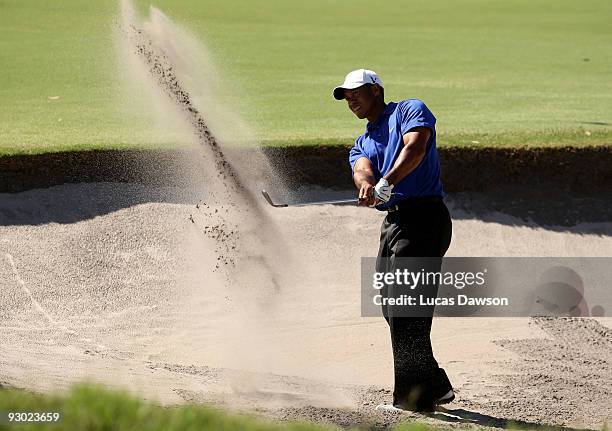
241,263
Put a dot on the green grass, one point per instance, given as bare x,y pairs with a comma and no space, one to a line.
483,66
580,137
93,408
66,49
500,72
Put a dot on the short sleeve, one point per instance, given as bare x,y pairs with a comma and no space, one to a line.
414,113
356,153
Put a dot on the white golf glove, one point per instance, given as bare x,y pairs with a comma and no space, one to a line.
382,190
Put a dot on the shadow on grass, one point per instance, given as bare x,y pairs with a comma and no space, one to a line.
596,123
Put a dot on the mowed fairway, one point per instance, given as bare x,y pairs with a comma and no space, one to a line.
61,86
494,72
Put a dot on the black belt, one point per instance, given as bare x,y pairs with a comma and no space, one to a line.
409,202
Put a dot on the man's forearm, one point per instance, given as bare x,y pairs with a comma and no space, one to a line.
363,177
408,159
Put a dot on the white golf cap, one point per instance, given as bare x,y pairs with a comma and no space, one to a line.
355,79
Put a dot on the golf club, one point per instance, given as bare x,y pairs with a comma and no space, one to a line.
303,204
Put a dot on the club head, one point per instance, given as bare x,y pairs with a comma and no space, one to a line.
269,200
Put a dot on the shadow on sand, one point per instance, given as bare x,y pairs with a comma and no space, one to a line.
71,203
550,209
469,417
555,210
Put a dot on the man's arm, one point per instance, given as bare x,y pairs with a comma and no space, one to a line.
363,176
415,146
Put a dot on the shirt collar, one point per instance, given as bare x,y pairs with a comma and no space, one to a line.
387,111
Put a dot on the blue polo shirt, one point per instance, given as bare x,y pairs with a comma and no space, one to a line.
383,140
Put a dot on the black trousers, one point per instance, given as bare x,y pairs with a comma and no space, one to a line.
422,227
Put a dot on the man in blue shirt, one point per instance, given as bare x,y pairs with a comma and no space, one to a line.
396,168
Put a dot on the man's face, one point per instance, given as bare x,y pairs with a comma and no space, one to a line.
361,100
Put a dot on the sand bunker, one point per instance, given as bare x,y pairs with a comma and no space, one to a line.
203,294
127,293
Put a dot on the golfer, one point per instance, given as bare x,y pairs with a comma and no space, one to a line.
396,168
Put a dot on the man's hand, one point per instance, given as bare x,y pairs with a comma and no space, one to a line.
382,190
366,195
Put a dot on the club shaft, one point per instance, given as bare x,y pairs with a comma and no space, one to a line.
334,202
267,197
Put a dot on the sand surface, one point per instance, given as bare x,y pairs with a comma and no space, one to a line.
141,289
